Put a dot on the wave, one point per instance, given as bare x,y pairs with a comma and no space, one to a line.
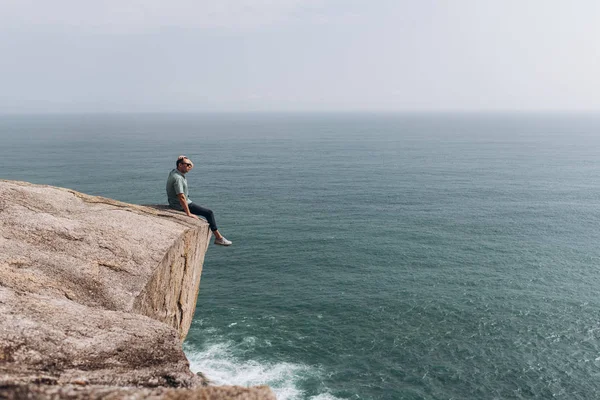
221,366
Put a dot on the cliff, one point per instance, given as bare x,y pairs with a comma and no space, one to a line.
96,297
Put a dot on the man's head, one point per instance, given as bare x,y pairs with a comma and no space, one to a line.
184,164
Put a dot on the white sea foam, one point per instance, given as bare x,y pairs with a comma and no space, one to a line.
219,364
324,396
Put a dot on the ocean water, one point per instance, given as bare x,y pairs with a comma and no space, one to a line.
375,256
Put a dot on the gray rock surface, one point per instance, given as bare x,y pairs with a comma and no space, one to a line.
78,392
96,296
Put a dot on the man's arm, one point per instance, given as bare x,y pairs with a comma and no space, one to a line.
184,204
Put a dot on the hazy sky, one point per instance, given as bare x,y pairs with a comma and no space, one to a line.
298,55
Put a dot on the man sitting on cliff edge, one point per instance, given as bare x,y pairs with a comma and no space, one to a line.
177,193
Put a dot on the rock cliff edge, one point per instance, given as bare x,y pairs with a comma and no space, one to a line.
96,297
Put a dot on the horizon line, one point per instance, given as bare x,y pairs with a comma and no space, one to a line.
303,112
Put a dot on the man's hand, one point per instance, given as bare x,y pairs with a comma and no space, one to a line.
184,205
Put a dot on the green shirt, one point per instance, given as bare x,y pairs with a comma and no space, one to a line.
176,184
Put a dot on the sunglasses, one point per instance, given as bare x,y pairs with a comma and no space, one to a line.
188,164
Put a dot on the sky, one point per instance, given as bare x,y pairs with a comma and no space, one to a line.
65,56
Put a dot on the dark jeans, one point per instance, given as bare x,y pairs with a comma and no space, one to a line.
206,213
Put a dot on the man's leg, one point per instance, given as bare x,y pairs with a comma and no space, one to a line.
206,213
210,217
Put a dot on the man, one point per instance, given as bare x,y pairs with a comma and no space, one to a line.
177,193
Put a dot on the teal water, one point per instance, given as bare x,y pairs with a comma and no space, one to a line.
428,256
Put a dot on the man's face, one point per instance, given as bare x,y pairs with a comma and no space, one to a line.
185,166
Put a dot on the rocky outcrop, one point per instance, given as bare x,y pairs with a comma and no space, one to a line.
96,296
74,392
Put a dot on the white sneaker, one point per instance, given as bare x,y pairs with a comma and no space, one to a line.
223,241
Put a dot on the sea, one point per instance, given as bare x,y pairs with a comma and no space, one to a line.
375,255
